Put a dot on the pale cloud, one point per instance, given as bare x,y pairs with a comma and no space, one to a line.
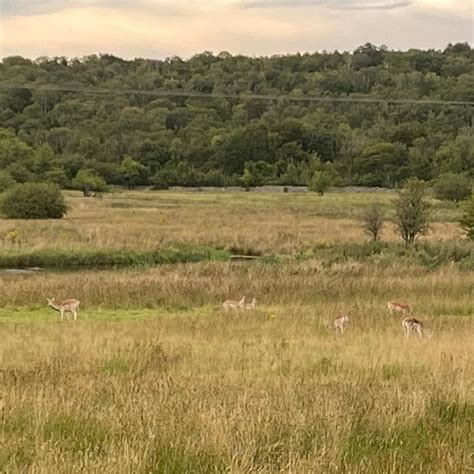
160,28
340,4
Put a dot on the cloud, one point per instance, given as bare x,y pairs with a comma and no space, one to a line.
340,4
41,7
161,28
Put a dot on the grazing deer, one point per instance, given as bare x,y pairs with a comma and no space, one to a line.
66,306
340,322
394,307
412,325
230,304
251,306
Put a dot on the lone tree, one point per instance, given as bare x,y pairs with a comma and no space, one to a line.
412,211
467,220
87,182
373,222
320,182
34,201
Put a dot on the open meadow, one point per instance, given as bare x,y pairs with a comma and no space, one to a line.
155,377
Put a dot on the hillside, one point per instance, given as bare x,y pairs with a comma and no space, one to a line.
144,138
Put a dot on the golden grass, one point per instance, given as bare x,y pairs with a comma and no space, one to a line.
207,392
155,378
265,223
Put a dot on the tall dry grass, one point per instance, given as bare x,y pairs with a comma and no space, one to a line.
209,392
155,378
350,285
243,222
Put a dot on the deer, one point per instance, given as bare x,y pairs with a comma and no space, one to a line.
235,305
340,322
65,306
394,307
251,306
412,325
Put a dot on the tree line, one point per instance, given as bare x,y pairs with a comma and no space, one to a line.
89,141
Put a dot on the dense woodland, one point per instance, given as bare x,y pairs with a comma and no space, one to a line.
87,140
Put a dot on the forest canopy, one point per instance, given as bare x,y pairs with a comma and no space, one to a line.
90,140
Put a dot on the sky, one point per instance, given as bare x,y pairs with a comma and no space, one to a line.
161,28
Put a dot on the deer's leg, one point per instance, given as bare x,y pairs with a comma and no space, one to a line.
62,314
74,313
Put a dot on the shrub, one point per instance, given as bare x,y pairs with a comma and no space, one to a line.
452,187
34,201
412,211
373,222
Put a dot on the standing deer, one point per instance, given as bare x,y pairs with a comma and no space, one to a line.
412,325
230,304
395,307
340,322
66,306
251,306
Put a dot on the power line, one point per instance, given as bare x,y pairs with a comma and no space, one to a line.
218,95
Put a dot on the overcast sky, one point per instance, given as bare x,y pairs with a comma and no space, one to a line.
162,28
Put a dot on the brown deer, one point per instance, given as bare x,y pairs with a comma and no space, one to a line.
251,306
340,323
412,325
235,305
395,307
65,306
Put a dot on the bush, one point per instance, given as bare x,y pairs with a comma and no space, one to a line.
452,187
373,222
34,201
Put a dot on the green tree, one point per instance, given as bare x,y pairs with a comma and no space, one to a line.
320,182
247,178
258,173
412,211
58,176
452,187
6,180
132,172
34,201
87,182
13,150
379,165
